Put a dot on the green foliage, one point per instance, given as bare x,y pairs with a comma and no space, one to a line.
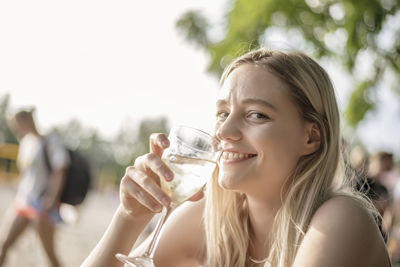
195,25
146,128
360,103
133,142
108,159
112,156
6,136
338,29
90,144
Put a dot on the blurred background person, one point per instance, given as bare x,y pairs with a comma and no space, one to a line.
381,164
394,234
36,202
368,171
369,184
382,185
358,160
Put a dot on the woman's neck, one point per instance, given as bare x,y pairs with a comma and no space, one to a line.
261,214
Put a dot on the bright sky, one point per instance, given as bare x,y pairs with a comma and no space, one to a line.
104,62
109,63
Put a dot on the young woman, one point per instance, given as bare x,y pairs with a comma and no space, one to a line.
280,198
36,202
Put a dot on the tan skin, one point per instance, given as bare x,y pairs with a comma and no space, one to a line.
255,117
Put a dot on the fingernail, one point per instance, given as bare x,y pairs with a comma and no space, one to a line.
164,143
165,200
168,175
156,208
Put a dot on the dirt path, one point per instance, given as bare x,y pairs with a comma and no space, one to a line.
73,242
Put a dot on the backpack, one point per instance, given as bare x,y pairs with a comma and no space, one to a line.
78,177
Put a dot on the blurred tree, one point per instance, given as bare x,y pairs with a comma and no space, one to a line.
110,157
345,30
6,136
90,144
146,128
133,141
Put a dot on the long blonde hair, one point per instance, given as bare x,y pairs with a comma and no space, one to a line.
316,178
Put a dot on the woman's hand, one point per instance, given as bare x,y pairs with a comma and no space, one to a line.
140,192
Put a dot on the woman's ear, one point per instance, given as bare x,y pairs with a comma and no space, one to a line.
313,138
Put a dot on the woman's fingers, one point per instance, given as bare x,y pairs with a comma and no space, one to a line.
131,191
146,182
199,195
158,142
153,163
142,185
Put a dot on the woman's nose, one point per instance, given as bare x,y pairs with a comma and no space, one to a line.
229,130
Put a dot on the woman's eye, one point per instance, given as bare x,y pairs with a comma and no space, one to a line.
222,115
258,116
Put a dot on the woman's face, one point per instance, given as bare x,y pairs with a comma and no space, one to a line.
261,131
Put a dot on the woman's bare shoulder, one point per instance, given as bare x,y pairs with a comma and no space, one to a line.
182,242
344,233
341,209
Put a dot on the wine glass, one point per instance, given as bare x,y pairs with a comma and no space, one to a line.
192,156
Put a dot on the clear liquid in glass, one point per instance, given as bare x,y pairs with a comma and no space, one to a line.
190,176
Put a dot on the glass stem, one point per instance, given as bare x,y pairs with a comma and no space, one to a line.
154,240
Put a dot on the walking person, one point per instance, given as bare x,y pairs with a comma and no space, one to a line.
37,199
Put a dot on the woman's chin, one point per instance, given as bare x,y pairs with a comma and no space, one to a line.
227,182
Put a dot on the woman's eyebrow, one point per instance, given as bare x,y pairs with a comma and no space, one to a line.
259,101
221,102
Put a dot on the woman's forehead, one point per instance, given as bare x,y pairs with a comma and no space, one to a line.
252,81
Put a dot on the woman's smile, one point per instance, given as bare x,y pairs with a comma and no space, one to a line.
230,157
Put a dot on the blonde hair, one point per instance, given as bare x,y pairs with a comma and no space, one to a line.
316,178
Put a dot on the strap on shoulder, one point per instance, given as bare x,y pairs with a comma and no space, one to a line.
46,155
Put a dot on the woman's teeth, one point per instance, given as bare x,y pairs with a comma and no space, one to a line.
234,155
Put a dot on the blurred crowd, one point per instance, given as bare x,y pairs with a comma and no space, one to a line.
378,176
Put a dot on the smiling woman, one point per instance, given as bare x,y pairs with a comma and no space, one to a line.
259,112
280,197
279,107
